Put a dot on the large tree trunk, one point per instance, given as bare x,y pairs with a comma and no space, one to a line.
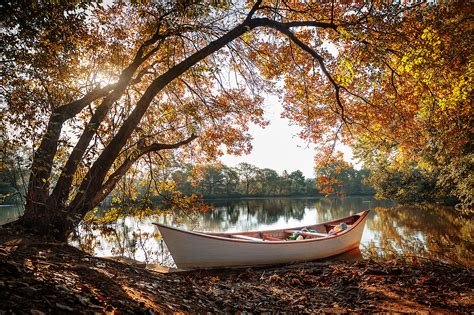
48,221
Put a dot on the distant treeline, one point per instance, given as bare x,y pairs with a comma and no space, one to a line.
221,181
214,181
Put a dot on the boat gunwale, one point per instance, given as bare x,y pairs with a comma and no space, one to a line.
362,215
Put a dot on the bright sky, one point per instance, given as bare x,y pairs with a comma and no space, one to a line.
278,146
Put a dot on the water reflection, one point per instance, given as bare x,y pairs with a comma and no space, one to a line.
433,232
430,231
132,237
136,237
246,215
9,213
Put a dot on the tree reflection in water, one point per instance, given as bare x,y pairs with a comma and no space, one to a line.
133,237
433,232
430,231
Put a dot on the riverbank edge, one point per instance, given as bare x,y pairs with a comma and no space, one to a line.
43,276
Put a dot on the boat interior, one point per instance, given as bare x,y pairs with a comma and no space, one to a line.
322,230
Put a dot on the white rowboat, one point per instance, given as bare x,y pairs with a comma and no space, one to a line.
194,250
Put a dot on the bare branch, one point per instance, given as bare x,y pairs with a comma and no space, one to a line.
392,77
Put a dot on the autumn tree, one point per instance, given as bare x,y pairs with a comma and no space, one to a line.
86,78
424,129
401,89
427,86
97,91
331,175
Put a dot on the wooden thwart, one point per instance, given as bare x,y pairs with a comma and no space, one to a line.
314,234
245,237
271,238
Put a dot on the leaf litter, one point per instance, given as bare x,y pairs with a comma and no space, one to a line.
41,277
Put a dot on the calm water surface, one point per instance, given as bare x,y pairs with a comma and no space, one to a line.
433,232
9,213
429,231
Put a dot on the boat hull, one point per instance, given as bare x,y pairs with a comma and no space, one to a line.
191,250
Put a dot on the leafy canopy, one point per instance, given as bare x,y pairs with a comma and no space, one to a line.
101,91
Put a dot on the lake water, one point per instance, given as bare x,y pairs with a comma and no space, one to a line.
429,231
9,213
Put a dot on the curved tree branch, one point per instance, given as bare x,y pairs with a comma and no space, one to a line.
113,179
252,11
284,28
97,173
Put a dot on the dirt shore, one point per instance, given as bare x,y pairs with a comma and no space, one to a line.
40,276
